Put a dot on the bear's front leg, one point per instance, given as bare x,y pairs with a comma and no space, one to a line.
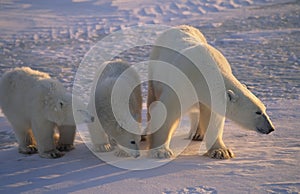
66,138
160,139
219,151
99,138
26,141
43,131
214,125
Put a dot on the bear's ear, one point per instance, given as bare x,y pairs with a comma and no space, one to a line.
232,96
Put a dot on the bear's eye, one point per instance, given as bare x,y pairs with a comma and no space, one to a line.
258,112
61,104
132,142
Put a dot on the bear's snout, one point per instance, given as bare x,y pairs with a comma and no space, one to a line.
266,125
271,130
265,131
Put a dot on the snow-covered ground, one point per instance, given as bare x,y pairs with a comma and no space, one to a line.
260,38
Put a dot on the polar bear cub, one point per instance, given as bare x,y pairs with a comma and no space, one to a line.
186,49
35,105
115,110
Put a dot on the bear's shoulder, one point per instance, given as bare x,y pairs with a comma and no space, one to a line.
220,60
185,36
192,32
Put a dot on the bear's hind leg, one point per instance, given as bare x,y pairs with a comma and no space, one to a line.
213,123
197,131
66,138
44,134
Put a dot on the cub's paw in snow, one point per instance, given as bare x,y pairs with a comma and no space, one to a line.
52,154
220,153
106,147
121,153
65,147
161,152
31,149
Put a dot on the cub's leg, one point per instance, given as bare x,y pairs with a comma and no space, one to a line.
44,134
26,141
66,138
100,140
213,123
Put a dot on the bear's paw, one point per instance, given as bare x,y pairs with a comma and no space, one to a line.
161,153
31,149
220,153
196,137
52,154
65,147
106,147
121,153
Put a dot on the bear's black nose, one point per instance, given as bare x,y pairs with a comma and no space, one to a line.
92,119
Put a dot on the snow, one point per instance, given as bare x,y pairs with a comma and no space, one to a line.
260,39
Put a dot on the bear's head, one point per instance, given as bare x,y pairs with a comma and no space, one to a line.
58,106
246,109
129,142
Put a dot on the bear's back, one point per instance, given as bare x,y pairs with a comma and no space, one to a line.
23,77
17,85
182,37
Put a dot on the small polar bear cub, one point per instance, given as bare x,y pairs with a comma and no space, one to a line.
115,112
35,105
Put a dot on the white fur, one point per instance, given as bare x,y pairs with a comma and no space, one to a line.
111,126
239,103
35,105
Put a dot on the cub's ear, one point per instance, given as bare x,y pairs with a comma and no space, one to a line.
232,96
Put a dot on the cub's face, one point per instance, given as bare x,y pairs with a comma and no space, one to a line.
60,110
248,111
129,142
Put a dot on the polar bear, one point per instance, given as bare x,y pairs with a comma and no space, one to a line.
186,49
36,105
116,110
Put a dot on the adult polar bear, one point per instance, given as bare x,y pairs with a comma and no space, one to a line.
186,49
35,104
